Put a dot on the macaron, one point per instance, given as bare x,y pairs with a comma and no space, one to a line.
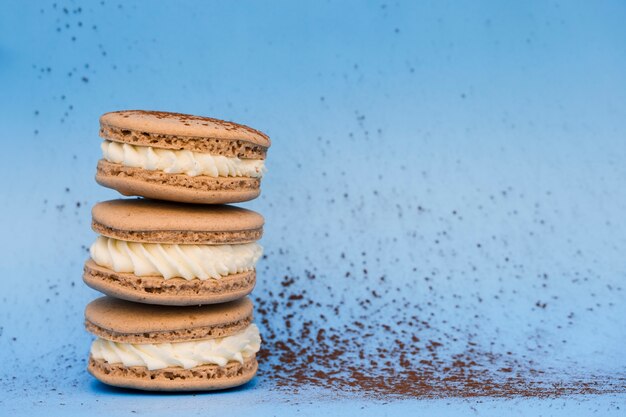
166,253
180,157
172,348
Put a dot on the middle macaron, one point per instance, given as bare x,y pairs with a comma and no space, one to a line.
165,253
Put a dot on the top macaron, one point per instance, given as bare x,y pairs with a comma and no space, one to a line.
180,157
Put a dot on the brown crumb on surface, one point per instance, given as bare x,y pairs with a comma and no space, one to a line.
394,355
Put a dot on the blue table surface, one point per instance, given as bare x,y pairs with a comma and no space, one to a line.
503,122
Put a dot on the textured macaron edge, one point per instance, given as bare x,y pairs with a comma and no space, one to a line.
170,336
182,188
143,220
174,291
199,378
125,322
179,236
182,131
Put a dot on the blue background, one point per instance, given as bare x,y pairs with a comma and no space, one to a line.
505,122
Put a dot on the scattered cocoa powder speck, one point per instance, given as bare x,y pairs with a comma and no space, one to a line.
392,353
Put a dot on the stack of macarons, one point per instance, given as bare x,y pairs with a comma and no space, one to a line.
175,264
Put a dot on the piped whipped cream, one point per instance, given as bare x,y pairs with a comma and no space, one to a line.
181,161
169,261
188,355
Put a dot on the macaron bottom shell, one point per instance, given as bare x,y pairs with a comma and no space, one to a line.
173,291
199,378
176,187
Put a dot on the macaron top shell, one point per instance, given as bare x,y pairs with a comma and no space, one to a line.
126,322
178,124
144,220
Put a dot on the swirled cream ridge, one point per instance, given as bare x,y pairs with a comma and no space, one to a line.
170,260
181,161
188,355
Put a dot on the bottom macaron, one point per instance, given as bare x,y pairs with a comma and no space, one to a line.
172,348
175,378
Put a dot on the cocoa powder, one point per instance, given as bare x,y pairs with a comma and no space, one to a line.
377,357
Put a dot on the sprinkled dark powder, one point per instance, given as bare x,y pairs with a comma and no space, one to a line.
392,353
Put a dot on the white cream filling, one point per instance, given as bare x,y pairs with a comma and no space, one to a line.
188,355
169,261
181,161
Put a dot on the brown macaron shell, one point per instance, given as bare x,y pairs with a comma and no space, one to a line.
125,322
153,221
176,187
180,131
172,292
184,131
200,378
149,221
